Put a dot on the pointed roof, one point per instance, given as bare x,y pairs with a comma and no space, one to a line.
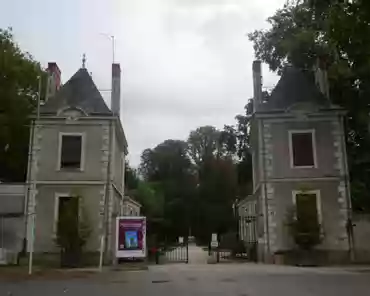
80,91
295,86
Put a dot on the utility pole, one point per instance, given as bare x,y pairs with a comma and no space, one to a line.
32,184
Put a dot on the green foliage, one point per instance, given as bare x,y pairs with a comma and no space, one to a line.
217,191
18,97
195,182
304,226
73,226
150,198
203,143
338,34
244,166
131,177
303,221
165,161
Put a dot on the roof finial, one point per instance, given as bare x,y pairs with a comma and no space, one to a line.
83,61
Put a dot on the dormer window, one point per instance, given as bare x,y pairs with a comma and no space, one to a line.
71,153
302,149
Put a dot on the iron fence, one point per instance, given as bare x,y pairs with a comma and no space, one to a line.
176,253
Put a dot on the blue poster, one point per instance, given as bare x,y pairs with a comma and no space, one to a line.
131,240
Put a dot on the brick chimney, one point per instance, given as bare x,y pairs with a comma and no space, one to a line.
321,76
54,80
116,89
257,84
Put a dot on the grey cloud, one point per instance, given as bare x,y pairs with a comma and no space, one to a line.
197,3
197,72
185,63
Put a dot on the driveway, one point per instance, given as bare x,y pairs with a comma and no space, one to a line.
197,255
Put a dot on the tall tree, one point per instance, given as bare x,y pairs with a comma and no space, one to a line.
18,96
338,34
217,192
244,165
214,152
168,167
131,177
203,143
166,160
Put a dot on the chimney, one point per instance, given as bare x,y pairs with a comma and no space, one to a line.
321,77
257,84
53,81
116,89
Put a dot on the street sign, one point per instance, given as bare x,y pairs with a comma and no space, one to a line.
214,240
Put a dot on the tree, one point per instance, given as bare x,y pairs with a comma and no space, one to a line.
197,182
243,151
337,34
166,160
204,142
217,192
304,225
18,97
131,177
169,172
214,153
73,230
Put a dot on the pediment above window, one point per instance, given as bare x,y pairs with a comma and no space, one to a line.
72,112
303,107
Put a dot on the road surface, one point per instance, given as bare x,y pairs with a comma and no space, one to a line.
197,279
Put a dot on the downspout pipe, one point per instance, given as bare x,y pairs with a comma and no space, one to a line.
349,226
107,188
29,172
265,188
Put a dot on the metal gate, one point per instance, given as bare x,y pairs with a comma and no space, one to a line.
244,246
174,253
248,235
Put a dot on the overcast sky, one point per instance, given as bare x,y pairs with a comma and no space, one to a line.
186,63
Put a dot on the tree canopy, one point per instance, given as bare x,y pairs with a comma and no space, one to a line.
19,74
198,181
337,34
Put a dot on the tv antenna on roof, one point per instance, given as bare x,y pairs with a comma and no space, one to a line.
113,43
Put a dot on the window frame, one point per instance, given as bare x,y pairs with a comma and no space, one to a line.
317,193
82,157
57,197
291,156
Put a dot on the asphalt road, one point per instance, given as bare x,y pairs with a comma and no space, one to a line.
203,279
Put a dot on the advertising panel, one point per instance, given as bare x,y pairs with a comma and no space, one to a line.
131,237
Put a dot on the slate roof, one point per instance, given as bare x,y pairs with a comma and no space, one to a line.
79,91
295,86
